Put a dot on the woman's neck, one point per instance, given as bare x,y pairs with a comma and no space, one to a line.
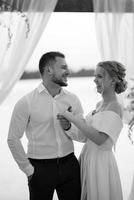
107,98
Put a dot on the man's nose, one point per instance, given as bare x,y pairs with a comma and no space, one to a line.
95,80
68,72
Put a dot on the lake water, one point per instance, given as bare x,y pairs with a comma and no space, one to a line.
13,183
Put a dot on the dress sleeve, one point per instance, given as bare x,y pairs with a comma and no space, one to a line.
108,122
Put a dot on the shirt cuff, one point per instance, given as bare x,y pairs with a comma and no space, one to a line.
29,170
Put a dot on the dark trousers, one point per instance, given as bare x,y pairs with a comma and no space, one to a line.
61,174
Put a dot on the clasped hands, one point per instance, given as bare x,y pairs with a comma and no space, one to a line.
64,122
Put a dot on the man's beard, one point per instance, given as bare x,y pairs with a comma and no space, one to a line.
59,82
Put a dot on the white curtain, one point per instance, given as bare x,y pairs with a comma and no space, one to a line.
115,31
21,24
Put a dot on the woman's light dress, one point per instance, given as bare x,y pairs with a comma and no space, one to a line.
99,172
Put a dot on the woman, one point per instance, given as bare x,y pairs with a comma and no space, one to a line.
100,130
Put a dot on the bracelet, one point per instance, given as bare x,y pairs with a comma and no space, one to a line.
68,127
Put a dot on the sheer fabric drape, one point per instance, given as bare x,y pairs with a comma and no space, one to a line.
21,24
115,31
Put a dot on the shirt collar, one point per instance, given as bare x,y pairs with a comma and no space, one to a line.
42,88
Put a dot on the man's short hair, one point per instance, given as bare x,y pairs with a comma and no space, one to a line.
48,57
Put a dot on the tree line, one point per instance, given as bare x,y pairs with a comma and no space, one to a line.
80,73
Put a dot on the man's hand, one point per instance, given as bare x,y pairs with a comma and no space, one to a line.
30,178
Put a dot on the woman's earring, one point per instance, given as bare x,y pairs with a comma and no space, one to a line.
113,84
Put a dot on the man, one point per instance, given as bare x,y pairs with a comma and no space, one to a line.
50,162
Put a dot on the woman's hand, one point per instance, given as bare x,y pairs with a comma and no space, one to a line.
68,116
65,119
65,124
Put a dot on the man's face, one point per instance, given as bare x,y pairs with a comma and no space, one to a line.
60,72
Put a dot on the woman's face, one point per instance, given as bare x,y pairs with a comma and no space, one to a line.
102,80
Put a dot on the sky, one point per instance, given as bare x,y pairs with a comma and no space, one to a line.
73,34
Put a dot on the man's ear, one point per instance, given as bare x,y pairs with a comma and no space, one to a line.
49,70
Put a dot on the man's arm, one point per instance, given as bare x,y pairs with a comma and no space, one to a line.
19,120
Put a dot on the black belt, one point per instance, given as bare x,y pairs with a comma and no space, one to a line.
51,160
